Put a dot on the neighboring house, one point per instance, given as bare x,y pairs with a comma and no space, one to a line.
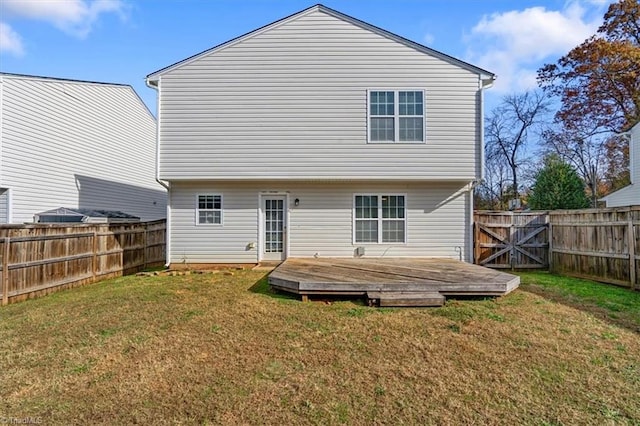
75,144
630,194
319,135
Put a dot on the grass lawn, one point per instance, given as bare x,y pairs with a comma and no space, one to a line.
222,349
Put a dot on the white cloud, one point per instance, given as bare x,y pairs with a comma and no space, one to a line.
10,40
514,44
428,39
75,17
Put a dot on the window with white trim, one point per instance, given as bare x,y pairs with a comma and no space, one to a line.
209,209
396,116
379,218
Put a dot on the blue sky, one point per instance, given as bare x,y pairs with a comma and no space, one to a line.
122,41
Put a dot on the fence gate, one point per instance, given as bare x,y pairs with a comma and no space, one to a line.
511,240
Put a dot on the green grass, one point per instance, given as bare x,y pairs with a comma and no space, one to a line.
225,349
615,304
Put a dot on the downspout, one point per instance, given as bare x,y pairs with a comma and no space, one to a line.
483,83
160,181
486,83
1,125
469,249
9,197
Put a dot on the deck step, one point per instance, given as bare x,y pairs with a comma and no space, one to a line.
401,298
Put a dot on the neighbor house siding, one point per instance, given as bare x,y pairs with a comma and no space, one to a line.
291,102
322,224
77,144
629,195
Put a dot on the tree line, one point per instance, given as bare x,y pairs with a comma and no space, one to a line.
576,119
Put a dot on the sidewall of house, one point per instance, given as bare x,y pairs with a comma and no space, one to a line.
322,222
77,145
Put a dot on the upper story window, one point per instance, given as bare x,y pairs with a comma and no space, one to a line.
396,116
209,210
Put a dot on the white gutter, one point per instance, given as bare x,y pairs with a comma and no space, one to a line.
166,185
155,87
9,196
484,84
9,206
1,124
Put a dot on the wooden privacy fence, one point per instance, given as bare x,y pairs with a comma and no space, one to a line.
39,259
598,244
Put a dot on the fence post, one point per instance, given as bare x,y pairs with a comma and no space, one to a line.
476,242
550,240
94,259
144,249
5,271
632,252
512,234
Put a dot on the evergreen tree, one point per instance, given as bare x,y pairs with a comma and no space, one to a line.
557,186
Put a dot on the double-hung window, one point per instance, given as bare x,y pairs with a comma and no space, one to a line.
209,209
396,116
379,218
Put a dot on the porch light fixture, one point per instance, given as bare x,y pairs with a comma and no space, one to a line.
296,202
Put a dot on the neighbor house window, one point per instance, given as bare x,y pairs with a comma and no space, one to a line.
379,219
209,211
396,116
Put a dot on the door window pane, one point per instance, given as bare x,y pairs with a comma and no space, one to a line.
274,226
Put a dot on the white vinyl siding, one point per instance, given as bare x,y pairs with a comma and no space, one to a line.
292,103
379,218
322,224
77,144
209,209
629,195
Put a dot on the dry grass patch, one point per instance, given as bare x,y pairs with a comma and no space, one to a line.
220,349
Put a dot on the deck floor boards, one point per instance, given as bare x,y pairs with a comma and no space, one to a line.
345,276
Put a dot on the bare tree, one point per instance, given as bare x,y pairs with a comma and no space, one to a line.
491,193
590,155
583,151
509,129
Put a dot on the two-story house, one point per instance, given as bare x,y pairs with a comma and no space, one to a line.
630,194
319,135
75,144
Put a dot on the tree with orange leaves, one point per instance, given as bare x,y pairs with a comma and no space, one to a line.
598,84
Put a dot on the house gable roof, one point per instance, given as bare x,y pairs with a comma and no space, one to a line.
118,86
486,75
61,80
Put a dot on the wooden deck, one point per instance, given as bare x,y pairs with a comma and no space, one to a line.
390,281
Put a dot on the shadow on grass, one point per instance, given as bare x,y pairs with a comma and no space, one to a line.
262,287
615,305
